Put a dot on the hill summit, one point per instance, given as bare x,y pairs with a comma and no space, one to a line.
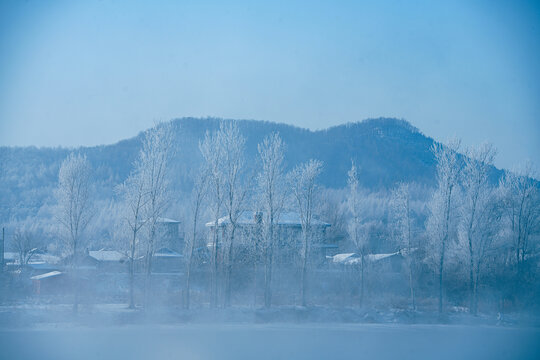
386,150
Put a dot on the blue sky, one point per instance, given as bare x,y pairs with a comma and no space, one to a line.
93,72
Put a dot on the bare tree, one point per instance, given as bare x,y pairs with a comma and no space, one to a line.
403,223
74,208
271,191
303,183
197,197
522,207
476,211
442,213
356,229
25,243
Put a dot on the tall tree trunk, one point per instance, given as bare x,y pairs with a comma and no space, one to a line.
229,267
213,290
441,267
75,279
410,255
471,255
132,272
443,250
187,291
520,249
362,278
255,286
304,268
268,269
441,271
149,258
471,276
475,290
131,284
411,283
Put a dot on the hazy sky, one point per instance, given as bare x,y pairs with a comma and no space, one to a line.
93,72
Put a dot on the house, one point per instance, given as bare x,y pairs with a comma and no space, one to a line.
85,264
288,236
51,282
38,262
344,259
166,260
389,262
109,260
169,234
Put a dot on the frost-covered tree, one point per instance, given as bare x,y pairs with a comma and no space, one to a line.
198,195
356,228
134,194
223,153
74,208
303,182
211,151
271,190
402,221
232,145
521,199
442,217
252,251
477,214
154,158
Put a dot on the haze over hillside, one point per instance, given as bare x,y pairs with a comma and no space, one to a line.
386,150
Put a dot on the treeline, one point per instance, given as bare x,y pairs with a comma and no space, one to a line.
467,236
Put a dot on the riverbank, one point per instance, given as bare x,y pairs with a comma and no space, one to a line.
32,315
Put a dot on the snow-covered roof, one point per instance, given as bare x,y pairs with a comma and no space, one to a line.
36,258
377,257
353,258
10,256
289,218
46,275
48,258
343,258
167,221
166,252
107,255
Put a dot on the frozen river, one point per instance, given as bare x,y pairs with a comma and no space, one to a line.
271,342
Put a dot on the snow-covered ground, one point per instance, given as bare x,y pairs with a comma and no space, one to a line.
275,341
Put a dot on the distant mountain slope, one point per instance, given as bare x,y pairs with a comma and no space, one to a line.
386,150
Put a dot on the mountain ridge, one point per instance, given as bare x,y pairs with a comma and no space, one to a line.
387,151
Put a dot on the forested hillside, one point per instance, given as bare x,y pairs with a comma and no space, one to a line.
386,151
